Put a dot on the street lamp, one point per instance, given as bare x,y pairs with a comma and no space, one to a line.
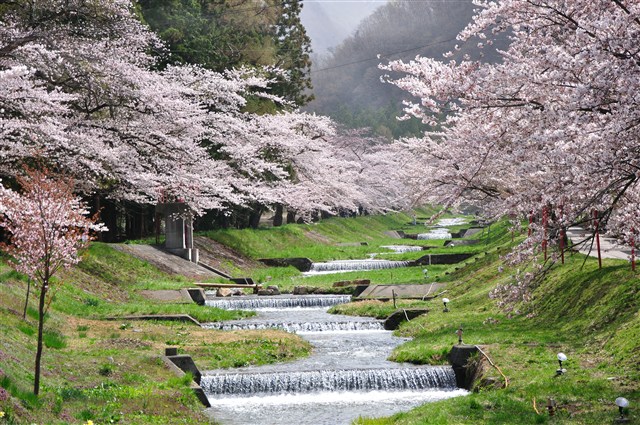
445,301
561,358
622,404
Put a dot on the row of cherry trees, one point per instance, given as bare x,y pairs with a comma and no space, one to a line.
554,126
79,89
84,109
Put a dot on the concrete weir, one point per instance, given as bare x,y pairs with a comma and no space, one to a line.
402,315
465,371
181,364
432,259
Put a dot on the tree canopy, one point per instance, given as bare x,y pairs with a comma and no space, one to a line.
232,34
81,91
554,125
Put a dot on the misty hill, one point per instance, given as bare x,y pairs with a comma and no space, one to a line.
347,83
329,23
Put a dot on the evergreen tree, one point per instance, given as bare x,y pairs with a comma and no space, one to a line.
293,50
230,34
216,35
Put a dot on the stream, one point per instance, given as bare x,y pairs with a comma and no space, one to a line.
346,376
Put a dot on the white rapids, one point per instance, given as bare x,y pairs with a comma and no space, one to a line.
347,375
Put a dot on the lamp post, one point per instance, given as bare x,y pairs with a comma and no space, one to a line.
561,358
445,301
622,404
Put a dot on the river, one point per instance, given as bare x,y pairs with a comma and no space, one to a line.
347,375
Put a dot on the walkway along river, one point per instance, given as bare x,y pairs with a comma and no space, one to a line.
347,375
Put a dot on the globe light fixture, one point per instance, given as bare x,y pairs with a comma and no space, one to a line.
445,301
561,358
622,404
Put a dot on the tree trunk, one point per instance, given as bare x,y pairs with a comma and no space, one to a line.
109,216
291,217
277,218
97,210
43,296
254,217
26,301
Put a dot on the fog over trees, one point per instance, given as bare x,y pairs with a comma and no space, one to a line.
347,82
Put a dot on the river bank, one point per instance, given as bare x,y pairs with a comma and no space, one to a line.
110,371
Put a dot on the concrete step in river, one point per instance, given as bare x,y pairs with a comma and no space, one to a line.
347,376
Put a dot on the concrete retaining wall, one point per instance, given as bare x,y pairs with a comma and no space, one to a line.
466,371
402,315
431,259
181,364
302,264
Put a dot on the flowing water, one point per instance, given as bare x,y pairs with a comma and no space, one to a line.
347,375
400,249
443,222
276,302
439,233
352,265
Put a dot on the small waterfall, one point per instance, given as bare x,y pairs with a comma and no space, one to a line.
296,327
451,221
355,265
394,379
400,249
441,233
254,303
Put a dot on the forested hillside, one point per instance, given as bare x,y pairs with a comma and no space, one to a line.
222,36
347,83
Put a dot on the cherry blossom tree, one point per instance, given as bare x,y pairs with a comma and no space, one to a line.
379,171
554,124
47,224
78,87
551,131
94,106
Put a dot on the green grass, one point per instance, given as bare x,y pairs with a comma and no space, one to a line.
54,339
117,268
317,241
322,242
587,313
252,351
110,371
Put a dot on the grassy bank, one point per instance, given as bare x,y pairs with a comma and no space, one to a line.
352,238
111,371
589,314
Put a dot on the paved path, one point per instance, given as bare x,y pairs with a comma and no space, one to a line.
167,295
609,247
